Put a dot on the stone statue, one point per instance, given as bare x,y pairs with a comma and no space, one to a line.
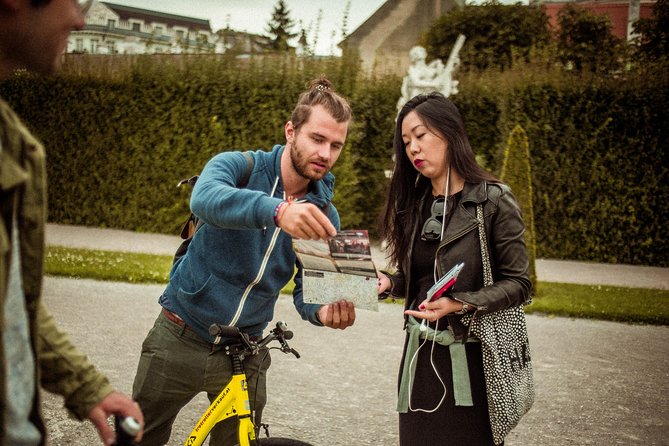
425,77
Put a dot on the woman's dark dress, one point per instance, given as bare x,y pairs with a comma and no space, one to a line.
449,425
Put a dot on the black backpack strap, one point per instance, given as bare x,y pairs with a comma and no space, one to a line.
193,223
242,184
247,172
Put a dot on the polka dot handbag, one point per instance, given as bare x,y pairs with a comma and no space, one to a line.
507,364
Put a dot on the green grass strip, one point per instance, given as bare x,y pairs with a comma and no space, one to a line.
107,265
638,305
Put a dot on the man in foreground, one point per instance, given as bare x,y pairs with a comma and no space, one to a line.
33,35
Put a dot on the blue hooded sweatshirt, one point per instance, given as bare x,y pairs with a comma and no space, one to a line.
239,260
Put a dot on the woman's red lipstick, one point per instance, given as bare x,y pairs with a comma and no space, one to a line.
418,163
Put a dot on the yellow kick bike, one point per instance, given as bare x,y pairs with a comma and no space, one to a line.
233,400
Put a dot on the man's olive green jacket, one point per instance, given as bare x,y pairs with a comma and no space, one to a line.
60,367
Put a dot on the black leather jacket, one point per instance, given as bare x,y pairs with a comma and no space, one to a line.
505,234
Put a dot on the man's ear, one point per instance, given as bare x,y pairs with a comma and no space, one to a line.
288,129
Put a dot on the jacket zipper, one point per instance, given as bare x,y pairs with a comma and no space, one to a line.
439,272
250,286
263,265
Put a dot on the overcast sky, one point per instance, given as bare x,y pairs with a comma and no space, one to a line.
252,15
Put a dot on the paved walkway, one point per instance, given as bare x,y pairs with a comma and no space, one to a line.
547,270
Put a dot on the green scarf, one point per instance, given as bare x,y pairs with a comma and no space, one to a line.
462,391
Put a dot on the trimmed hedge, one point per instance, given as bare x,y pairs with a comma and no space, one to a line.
599,165
121,131
138,133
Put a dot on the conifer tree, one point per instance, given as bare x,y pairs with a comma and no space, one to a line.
303,43
344,22
280,27
517,173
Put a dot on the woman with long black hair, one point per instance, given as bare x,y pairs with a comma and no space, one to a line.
430,225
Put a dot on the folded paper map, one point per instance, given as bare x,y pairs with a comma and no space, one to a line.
340,268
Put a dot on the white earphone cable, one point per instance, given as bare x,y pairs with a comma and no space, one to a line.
436,372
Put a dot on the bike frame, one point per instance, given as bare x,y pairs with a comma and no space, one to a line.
233,401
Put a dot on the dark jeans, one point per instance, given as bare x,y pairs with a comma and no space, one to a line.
175,365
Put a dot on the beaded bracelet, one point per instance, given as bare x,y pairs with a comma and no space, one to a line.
279,210
276,212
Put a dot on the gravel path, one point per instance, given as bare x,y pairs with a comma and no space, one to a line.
598,383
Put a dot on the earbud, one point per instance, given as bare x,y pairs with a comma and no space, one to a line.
422,326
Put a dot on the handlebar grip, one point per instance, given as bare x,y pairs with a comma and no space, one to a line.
224,331
126,429
288,335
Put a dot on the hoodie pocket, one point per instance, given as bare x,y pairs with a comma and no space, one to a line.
215,302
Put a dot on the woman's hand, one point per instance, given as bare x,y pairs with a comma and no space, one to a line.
384,283
432,311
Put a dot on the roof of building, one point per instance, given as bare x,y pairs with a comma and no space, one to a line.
171,20
373,20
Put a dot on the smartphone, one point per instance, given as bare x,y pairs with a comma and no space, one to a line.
444,283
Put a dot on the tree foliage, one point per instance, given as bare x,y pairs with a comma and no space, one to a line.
654,32
280,27
495,34
303,43
585,40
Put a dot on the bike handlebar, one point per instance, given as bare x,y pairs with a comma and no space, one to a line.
279,333
224,331
126,429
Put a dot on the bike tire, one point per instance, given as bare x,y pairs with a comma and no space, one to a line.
277,441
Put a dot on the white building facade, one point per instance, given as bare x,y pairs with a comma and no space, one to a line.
117,29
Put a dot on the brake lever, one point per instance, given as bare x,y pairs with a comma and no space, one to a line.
287,348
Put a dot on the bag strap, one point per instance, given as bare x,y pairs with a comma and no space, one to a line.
242,184
468,319
186,232
485,255
247,172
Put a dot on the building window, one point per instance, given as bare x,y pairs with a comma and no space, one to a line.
135,27
111,24
79,45
180,35
158,30
94,46
111,46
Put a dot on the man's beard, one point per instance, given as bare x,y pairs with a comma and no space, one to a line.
301,164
